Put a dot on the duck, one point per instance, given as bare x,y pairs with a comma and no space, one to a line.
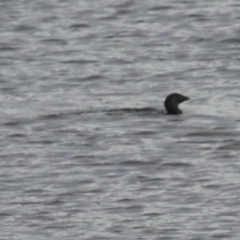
172,101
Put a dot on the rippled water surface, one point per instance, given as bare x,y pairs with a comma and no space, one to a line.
75,164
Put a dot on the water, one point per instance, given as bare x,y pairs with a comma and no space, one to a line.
74,164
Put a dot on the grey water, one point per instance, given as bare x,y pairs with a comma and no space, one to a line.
74,164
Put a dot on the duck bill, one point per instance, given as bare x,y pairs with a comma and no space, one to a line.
185,98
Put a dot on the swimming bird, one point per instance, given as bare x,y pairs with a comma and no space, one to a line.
172,101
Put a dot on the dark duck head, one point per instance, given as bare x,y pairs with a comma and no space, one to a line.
172,101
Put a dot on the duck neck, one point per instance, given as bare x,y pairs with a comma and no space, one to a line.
175,110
